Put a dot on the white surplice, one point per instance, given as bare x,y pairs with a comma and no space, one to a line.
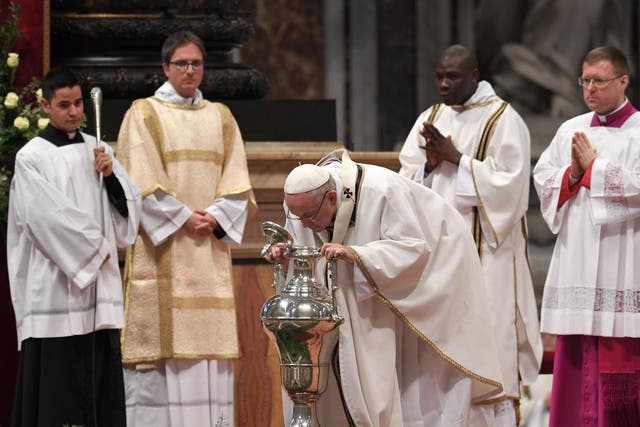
496,185
56,249
414,349
593,282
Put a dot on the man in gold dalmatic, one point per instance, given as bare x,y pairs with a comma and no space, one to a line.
187,157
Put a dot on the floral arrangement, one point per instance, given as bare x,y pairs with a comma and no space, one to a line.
21,117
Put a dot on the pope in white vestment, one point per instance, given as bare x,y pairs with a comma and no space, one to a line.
490,189
414,348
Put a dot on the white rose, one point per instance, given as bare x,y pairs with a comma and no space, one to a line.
13,60
39,95
42,123
22,123
11,100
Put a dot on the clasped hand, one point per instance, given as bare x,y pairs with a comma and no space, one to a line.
201,223
438,147
582,154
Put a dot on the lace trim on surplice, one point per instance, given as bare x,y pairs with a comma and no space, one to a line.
581,298
547,192
615,201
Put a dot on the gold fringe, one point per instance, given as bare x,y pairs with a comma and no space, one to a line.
367,275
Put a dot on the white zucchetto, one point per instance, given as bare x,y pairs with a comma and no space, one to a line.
305,178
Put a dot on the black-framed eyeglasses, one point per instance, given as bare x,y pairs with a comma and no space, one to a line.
183,66
307,218
599,83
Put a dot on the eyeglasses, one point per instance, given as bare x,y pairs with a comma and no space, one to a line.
599,83
183,66
307,218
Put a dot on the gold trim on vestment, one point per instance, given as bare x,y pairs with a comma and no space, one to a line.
487,133
153,124
349,176
147,360
477,229
163,309
238,190
372,282
461,108
202,302
193,156
198,106
480,207
156,187
493,401
164,278
515,323
481,154
127,288
434,111
525,234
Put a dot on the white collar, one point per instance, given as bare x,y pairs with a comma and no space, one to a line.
603,118
168,93
483,93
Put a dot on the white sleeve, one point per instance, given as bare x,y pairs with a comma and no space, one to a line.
615,192
126,229
231,213
162,215
465,190
362,287
68,235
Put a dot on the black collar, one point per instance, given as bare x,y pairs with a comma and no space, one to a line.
59,137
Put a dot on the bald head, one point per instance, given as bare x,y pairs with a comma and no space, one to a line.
462,54
457,74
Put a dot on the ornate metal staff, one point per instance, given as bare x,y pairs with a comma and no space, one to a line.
96,98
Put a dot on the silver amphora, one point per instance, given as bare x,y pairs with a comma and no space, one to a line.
301,321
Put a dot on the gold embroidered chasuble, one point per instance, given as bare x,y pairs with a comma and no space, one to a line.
179,295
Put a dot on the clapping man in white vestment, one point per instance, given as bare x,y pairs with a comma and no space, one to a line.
589,189
414,349
473,150
187,156
64,231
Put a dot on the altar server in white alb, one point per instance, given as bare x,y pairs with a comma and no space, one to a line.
414,349
187,156
473,150
63,268
589,187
